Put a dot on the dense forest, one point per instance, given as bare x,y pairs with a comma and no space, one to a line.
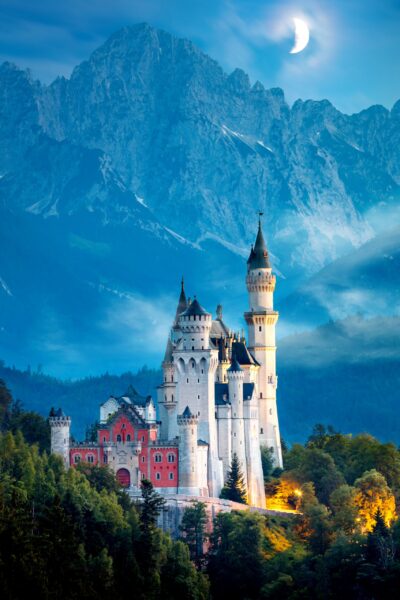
75,534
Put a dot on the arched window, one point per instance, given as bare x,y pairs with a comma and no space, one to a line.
157,458
171,476
105,459
119,439
158,476
128,437
171,458
90,458
143,459
77,458
124,478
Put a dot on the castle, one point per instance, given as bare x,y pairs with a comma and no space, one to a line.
217,399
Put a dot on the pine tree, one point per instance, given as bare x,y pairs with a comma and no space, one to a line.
234,488
193,526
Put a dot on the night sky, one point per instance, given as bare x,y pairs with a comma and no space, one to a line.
352,58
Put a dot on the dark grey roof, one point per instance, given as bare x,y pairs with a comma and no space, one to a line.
202,443
133,397
222,389
235,366
168,352
259,258
219,329
248,389
187,413
242,354
182,303
194,309
60,413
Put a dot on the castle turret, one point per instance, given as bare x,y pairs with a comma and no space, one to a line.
235,385
188,460
196,362
261,320
60,426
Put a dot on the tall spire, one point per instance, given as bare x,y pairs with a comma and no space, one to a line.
259,258
182,302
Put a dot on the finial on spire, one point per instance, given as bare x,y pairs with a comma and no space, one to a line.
182,284
260,214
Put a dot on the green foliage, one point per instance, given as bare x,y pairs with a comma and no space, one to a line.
234,488
236,559
193,527
267,462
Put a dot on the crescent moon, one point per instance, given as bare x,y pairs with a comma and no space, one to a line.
301,35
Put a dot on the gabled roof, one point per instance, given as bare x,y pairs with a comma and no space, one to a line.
132,415
242,354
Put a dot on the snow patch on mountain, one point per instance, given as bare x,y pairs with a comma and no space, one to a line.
5,287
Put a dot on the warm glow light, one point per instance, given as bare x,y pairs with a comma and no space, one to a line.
298,493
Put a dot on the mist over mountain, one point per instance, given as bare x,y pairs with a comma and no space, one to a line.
150,162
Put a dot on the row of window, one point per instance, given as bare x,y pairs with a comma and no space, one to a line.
89,458
171,476
170,458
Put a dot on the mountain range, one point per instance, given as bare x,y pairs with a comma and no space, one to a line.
150,161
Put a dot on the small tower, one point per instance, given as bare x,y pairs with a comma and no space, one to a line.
166,392
188,463
261,320
235,385
60,426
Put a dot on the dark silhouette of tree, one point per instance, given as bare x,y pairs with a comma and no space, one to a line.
234,488
193,527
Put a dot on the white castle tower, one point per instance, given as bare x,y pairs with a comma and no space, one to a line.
60,426
261,320
235,385
196,360
188,459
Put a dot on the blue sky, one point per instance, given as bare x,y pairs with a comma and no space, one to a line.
352,58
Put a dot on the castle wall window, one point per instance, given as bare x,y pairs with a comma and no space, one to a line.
143,459
104,438
77,458
261,430
158,476
119,439
105,459
90,458
157,458
142,475
259,328
142,438
128,437
171,476
171,458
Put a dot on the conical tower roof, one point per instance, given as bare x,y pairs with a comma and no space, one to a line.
259,258
182,303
